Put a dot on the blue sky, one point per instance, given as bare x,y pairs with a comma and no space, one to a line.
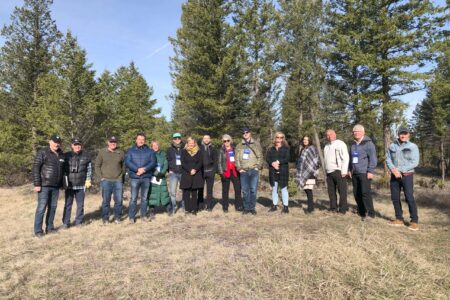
116,32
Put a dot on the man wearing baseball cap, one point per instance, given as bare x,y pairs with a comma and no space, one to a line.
77,177
47,179
402,157
110,170
174,159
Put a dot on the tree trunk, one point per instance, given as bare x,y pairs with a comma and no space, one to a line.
442,153
317,141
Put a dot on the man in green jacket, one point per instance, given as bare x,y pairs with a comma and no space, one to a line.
249,161
110,169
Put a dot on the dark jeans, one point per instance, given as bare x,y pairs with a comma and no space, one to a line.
336,182
407,183
249,185
362,191
226,190
208,177
310,198
142,184
47,199
79,196
190,200
111,187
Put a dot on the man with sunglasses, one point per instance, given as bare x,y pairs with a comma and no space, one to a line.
249,161
110,169
174,159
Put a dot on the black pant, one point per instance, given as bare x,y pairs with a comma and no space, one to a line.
190,200
336,182
310,197
237,192
208,177
363,194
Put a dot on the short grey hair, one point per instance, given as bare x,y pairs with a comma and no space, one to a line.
358,127
227,137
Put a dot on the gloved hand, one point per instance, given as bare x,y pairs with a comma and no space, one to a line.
88,183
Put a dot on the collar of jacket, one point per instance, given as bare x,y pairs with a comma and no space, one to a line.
251,141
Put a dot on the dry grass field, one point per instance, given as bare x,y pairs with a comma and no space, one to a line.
217,256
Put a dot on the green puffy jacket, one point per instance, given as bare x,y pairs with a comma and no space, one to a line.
158,194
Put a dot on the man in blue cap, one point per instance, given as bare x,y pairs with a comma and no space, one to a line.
402,157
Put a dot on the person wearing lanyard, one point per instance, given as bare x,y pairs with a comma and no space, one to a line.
402,157
361,169
174,160
227,169
249,160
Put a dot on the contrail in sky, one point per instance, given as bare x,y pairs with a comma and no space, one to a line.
157,51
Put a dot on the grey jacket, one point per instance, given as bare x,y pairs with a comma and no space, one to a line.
363,157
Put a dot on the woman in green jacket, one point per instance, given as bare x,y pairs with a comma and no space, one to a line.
158,194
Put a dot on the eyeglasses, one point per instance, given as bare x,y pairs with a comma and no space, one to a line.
226,141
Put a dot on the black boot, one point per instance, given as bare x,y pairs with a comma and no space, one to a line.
285,210
273,208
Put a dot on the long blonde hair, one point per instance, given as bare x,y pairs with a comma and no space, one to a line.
283,142
195,149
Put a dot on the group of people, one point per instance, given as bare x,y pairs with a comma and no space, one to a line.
191,166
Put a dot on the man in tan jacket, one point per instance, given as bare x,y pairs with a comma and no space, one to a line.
249,161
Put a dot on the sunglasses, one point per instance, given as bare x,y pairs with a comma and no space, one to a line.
246,132
177,138
226,141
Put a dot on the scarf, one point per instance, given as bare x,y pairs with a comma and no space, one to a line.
307,165
193,150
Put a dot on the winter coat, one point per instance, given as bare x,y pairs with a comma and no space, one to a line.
282,175
366,154
255,158
209,158
140,157
188,163
76,168
172,152
158,194
48,168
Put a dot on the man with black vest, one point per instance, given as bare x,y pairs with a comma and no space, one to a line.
77,177
47,179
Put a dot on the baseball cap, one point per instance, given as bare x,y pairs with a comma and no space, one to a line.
403,130
56,138
113,139
176,135
76,141
245,129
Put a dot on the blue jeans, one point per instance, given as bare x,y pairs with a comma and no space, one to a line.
174,181
144,185
249,184
111,187
47,199
284,194
79,196
407,183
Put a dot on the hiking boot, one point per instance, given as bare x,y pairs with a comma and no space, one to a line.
396,223
413,226
285,210
273,208
253,212
117,221
245,212
131,221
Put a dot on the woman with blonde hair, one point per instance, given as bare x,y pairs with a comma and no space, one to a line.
191,176
278,160
228,173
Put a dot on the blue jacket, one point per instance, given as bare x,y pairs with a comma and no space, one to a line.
366,157
403,156
142,157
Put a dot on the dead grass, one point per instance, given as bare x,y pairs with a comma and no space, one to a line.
217,256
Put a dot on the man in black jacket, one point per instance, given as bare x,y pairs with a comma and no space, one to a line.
47,179
77,177
174,159
209,159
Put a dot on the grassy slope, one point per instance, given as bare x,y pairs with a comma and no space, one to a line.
218,256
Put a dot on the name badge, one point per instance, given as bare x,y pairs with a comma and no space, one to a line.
158,167
355,157
246,154
231,155
178,160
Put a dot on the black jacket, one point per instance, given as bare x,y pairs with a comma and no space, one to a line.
283,156
209,158
48,168
171,158
189,162
76,167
